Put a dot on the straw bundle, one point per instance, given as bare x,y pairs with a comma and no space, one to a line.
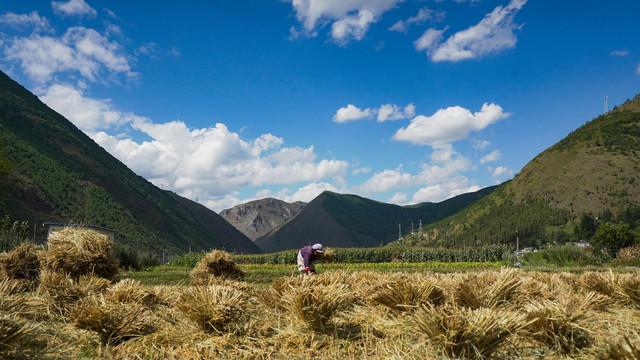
604,283
560,325
130,291
626,349
488,289
12,331
630,288
314,305
79,251
215,308
408,293
114,322
467,333
22,263
61,292
217,263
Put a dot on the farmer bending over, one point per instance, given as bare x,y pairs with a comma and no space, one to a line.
306,256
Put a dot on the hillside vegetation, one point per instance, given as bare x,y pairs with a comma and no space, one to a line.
593,172
55,173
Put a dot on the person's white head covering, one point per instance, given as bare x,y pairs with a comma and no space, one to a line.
318,248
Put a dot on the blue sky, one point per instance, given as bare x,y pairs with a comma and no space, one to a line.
398,101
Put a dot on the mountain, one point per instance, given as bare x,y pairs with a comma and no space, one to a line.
593,173
256,218
56,173
339,220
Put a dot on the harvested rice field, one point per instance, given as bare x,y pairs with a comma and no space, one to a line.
50,311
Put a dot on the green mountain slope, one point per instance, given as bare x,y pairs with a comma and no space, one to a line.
352,221
58,174
594,170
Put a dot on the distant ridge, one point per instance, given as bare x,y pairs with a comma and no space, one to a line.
340,220
257,218
56,173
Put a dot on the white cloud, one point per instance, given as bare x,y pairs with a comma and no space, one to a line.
352,27
79,50
73,8
429,39
358,171
393,112
494,33
480,144
638,69
445,190
385,181
385,112
448,125
86,113
351,113
350,18
619,53
500,172
20,21
423,15
491,157
214,161
399,198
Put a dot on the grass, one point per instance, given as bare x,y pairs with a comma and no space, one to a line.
265,274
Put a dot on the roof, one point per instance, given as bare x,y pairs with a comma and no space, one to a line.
79,225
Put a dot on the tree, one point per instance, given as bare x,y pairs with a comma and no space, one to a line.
613,238
587,225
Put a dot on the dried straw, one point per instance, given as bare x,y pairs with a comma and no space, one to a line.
78,251
217,263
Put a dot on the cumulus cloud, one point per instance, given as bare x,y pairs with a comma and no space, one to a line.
393,112
423,16
386,180
22,21
448,125
500,173
79,50
494,33
352,27
385,112
86,113
429,39
437,179
350,19
491,157
351,113
445,190
214,161
73,8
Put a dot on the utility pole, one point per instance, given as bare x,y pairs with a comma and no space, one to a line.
606,104
517,241
420,230
399,232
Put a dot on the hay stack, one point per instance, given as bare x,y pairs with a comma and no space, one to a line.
114,322
78,251
61,292
407,293
468,333
22,263
217,263
215,308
